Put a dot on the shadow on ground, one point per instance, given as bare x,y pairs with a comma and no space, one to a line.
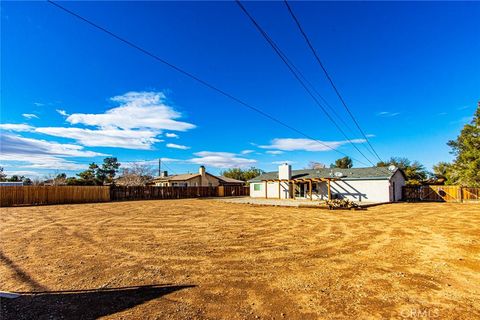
81,304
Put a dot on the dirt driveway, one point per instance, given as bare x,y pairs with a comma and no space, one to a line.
205,259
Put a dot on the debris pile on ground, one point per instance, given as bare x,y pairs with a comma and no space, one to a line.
341,204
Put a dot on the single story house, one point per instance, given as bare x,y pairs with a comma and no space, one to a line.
11,183
373,184
200,179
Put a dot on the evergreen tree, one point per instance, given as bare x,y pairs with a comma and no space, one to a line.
415,171
342,163
465,169
239,174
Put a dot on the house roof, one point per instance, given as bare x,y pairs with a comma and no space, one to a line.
230,180
188,176
370,173
177,177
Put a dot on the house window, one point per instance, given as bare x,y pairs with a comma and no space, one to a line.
257,186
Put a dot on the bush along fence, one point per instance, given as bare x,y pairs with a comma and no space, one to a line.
41,195
441,193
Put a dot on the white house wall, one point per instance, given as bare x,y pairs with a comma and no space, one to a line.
355,190
362,190
272,190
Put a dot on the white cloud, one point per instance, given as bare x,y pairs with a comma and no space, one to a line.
247,151
113,137
370,135
177,146
134,124
17,145
282,162
62,112
39,104
41,154
136,110
16,127
171,135
29,115
221,160
26,173
293,144
274,152
387,114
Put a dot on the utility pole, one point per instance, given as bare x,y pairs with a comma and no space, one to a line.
159,167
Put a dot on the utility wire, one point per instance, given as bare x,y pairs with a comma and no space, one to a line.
307,40
190,75
284,59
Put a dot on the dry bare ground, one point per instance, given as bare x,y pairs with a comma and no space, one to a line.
206,259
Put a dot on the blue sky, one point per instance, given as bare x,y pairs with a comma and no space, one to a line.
71,94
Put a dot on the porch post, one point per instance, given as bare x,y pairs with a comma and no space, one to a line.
310,189
329,191
266,187
279,182
294,189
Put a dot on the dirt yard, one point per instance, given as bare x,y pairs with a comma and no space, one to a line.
206,259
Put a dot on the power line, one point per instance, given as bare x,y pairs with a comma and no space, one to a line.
307,40
286,62
190,75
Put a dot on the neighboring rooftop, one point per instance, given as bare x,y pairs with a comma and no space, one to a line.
177,177
346,174
229,180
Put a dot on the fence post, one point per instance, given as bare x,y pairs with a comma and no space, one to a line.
461,193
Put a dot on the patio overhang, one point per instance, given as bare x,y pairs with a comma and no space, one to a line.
301,180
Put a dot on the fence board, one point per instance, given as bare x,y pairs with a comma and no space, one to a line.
38,195
440,193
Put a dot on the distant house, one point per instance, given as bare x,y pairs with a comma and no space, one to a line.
11,183
373,184
202,178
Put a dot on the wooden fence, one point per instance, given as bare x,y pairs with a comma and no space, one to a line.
38,195
441,193
119,193
233,191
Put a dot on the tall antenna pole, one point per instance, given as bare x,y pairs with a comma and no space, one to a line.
159,167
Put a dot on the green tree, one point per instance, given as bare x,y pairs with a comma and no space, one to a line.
441,170
109,169
3,175
415,171
16,178
240,174
343,163
88,176
465,169
72,181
